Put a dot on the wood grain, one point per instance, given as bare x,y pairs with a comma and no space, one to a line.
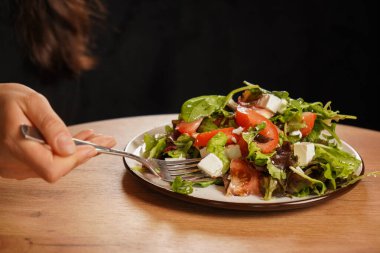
98,207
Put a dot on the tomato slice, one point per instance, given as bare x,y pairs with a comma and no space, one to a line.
245,179
247,117
243,146
189,127
202,139
309,119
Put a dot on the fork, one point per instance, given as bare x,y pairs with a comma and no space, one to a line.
167,170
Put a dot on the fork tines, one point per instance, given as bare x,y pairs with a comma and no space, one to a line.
187,169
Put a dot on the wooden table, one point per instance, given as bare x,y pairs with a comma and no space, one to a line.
99,207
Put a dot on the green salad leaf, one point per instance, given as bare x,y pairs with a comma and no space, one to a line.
182,186
254,152
275,172
270,185
317,186
202,106
216,145
153,146
183,144
330,169
340,163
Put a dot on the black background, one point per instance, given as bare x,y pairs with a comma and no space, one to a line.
154,55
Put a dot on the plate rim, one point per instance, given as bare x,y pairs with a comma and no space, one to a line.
243,206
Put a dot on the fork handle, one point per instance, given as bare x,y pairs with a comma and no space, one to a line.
32,133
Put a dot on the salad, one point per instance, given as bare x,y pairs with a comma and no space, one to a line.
258,142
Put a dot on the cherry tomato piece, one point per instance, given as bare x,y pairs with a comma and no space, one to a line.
202,139
189,127
247,117
309,119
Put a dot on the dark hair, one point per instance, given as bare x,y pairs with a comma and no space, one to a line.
57,33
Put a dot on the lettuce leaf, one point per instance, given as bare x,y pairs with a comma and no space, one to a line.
154,147
342,164
317,186
216,145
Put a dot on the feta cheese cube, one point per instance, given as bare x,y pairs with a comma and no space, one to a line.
233,151
270,102
305,152
211,165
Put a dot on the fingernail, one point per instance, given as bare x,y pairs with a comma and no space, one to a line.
66,144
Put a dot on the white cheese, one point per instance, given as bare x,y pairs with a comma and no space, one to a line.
233,151
238,130
296,133
211,165
270,102
305,152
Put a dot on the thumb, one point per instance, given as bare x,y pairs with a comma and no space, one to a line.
55,132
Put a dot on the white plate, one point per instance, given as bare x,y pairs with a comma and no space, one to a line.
214,195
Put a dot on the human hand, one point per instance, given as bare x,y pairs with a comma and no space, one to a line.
21,158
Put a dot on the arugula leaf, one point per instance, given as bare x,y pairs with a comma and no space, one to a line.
325,112
357,178
232,93
281,94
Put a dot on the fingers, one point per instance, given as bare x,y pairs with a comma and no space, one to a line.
51,167
84,134
103,140
100,139
21,158
40,113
